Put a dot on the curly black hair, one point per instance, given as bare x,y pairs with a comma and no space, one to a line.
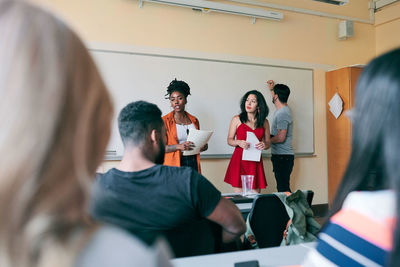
177,86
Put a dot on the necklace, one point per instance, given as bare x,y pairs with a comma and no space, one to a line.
185,124
184,121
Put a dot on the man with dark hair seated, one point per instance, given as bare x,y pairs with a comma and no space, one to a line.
149,199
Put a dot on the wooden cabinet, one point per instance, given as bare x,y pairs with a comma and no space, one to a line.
341,81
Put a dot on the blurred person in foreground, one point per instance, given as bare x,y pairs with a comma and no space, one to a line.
55,116
150,199
363,228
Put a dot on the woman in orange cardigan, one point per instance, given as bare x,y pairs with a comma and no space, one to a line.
177,123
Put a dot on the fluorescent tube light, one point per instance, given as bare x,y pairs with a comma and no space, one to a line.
222,8
382,3
334,2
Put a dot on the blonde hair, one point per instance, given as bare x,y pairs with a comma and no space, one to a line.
55,116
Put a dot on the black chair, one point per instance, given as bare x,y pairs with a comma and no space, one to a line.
268,219
198,238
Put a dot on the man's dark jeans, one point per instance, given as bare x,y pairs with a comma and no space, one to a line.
282,167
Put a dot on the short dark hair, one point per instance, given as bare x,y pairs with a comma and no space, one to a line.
177,86
282,91
136,120
262,111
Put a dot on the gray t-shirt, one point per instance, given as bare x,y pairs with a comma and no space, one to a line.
282,121
110,246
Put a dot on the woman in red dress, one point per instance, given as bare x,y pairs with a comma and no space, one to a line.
253,118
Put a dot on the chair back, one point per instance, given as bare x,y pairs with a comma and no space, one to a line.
198,238
268,219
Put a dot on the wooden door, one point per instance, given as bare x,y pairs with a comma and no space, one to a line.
343,82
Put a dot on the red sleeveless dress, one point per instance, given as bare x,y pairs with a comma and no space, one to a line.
238,167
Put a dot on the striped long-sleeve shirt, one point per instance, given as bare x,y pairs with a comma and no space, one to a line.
360,234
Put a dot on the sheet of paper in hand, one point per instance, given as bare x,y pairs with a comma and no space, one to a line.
199,139
252,153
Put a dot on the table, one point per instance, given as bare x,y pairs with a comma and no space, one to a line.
267,257
244,203
244,207
239,198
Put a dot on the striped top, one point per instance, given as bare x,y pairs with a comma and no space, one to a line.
360,234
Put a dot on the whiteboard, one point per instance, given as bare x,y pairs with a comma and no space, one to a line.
216,89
